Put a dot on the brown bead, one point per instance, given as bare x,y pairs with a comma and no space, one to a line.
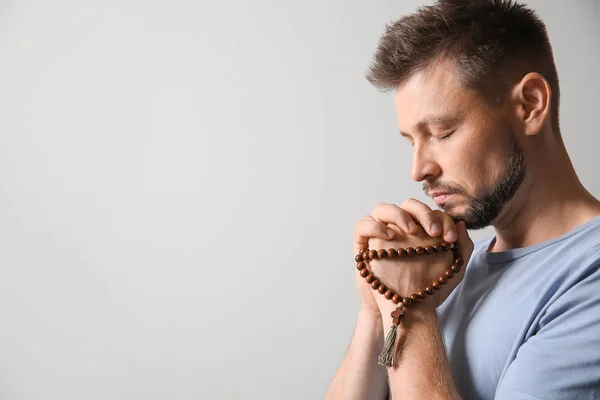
360,265
410,251
392,253
429,290
364,272
361,251
375,284
401,252
382,253
455,268
414,298
422,294
407,301
436,285
382,288
429,249
445,246
365,256
459,261
389,294
419,250
396,298
437,247
442,279
449,274
358,258
370,278
372,254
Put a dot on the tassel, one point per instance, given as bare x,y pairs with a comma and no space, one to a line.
388,353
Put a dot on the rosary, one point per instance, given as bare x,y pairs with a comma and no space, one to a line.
388,353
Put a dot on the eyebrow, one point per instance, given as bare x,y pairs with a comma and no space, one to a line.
443,119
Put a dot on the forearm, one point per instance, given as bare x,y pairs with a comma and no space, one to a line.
421,370
359,376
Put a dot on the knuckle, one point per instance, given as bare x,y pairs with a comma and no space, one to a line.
400,213
431,214
436,214
409,201
379,205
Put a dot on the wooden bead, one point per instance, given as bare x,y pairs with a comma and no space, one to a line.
442,279
364,272
429,290
361,265
375,284
372,254
459,261
455,268
361,251
414,298
422,294
396,298
410,251
445,246
437,247
419,250
365,256
449,274
382,288
389,294
436,285
370,278
429,249
358,258
382,253
401,252
407,301
392,253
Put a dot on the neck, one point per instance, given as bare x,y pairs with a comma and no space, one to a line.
550,202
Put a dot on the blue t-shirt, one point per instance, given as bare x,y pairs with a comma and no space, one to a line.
525,323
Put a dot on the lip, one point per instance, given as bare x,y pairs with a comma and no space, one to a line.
440,197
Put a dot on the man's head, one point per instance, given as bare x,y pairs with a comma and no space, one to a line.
473,79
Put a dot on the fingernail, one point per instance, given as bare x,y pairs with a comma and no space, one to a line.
451,235
390,233
436,228
411,226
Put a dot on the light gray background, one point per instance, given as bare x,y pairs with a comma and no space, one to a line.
179,183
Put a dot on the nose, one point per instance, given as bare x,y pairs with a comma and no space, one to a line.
423,165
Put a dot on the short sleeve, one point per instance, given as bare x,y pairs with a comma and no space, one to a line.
562,359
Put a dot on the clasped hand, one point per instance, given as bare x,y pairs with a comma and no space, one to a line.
410,225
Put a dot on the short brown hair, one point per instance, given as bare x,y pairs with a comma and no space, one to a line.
492,44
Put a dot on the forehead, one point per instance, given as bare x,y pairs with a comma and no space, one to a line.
431,95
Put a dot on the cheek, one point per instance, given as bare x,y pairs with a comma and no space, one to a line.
472,166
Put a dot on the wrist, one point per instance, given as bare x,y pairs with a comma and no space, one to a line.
368,316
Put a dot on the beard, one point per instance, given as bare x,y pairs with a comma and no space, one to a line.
481,212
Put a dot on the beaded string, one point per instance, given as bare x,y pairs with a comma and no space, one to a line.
363,257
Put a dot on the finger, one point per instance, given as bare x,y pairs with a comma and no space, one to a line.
391,213
367,228
449,227
464,241
435,222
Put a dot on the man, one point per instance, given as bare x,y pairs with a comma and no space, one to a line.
477,96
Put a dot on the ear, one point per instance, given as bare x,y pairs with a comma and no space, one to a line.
532,97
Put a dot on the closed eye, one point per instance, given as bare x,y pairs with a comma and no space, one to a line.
445,135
